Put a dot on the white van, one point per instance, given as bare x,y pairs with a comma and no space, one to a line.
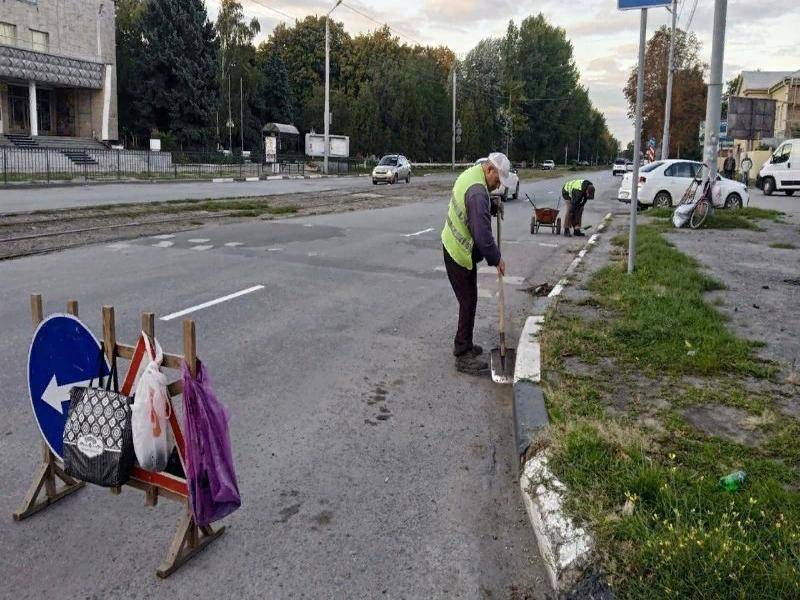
781,173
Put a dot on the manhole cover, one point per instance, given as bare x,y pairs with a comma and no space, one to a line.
792,281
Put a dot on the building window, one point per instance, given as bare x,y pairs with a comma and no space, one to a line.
40,40
8,34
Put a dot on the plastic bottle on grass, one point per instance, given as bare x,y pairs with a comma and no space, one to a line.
733,481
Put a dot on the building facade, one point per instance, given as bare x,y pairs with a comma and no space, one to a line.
58,68
784,88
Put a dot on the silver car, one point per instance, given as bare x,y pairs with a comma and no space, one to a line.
391,169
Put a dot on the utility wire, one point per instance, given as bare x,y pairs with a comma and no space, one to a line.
384,24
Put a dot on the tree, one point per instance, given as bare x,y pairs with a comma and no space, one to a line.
129,14
275,93
176,92
688,91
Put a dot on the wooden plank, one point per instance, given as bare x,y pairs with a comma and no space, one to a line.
190,346
171,361
186,544
37,312
109,333
72,307
175,388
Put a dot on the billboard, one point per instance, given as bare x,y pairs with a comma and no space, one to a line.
751,118
634,4
339,145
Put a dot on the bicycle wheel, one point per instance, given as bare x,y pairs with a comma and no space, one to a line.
700,213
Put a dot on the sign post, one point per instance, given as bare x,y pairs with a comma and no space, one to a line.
642,5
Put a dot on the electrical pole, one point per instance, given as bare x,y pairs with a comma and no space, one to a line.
714,103
637,143
241,114
566,149
327,119
230,119
579,145
670,70
453,157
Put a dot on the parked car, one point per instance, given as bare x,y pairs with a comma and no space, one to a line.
583,163
781,173
663,183
391,169
548,165
502,192
618,168
628,165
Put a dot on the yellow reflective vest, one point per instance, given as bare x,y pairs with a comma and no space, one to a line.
456,236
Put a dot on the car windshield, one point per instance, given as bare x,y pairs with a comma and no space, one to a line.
388,161
651,167
619,161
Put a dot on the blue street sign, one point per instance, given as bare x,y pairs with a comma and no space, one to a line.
632,4
63,353
651,142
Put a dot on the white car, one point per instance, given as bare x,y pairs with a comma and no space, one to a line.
392,168
501,191
548,165
663,183
781,173
618,168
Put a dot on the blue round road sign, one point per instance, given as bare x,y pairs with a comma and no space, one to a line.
63,353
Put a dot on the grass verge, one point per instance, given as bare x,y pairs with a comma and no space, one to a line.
640,473
742,218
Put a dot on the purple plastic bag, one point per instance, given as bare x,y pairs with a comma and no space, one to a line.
209,462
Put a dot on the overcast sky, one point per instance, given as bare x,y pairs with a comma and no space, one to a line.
761,34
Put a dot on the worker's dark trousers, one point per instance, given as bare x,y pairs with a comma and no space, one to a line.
465,285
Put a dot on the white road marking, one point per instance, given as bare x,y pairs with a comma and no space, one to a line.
313,253
548,245
308,224
118,246
164,236
163,245
197,307
222,180
418,232
203,247
276,249
233,244
197,240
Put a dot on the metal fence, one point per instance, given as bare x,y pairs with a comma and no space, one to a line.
72,164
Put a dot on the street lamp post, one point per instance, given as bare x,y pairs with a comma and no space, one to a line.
327,119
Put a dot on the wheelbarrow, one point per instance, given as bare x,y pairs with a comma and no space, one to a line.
545,217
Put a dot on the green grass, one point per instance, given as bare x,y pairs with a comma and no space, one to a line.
664,324
783,246
649,493
742,218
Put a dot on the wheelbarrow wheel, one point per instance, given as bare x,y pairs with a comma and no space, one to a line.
557,229
534,225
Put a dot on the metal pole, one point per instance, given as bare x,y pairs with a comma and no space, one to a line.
566,149
230,119
670,70
579,145
453,157
714,104
327,94
637,143
241,115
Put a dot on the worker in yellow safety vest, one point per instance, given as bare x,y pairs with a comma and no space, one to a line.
467,239
575,194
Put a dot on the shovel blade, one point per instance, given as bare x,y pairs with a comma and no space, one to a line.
503,366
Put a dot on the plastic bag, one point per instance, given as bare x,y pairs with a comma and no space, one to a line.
150,414
210,474
681,214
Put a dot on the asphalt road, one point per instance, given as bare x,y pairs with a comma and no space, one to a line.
368,466
26,198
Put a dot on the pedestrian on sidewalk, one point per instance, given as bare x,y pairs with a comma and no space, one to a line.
467,239
575,194
744,167
729,166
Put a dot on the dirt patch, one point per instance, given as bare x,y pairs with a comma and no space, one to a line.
725,422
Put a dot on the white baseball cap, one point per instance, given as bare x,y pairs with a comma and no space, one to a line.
503,165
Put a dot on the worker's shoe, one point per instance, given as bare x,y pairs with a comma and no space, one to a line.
578,233
567,233
475,350
471,365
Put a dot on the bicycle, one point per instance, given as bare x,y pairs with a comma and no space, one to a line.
703,206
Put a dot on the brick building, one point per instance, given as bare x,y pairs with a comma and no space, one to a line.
57,69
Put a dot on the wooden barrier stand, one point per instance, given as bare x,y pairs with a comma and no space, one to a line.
189,538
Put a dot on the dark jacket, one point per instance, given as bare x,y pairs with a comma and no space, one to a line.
479,220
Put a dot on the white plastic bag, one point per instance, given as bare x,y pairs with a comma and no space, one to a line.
681,215
150,413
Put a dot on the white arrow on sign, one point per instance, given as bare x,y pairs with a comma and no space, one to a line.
55,394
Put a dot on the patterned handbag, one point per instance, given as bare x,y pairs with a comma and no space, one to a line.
98,439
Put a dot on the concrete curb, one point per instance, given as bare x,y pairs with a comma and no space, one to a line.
565,548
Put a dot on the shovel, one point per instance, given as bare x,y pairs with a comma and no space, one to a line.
502,359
